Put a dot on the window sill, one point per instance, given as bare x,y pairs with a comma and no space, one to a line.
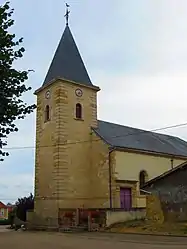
79,119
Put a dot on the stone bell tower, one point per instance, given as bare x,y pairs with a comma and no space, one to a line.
66,111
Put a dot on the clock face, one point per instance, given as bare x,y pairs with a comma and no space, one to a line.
78,92
47,94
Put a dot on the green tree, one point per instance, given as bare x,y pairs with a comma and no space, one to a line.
23,205
12,87
11,217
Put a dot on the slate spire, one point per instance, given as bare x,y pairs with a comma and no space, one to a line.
67,62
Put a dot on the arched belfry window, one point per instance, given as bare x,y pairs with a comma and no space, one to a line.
143,178
78,111
47,113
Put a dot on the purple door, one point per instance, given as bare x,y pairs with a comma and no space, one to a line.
126,198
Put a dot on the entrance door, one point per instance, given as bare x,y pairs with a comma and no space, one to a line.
126,198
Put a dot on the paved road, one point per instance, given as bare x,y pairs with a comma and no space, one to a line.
42,240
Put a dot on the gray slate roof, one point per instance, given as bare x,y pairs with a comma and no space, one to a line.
67,62
127,137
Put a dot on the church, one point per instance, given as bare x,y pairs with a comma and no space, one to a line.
83,162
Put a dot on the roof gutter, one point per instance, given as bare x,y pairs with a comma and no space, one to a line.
146,192
96,88
132,150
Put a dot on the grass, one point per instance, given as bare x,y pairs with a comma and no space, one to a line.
148,227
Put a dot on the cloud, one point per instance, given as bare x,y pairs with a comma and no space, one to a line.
15,186
144,102
17,174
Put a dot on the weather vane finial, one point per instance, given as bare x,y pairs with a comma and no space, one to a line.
67,13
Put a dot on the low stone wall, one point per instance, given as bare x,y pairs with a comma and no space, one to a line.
35,221
174,212
154,210
30,216
113,217
69,218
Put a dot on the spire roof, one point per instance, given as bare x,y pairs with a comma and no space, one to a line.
67,62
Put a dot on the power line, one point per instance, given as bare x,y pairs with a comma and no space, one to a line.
86,141
64,198
130,134
126,135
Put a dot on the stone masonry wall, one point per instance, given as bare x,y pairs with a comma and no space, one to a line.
173,188
154,210
44,157
172,192
99,174
63,149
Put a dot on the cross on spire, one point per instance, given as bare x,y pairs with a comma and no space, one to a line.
67,13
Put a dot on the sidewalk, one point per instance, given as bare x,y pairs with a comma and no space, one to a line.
3,229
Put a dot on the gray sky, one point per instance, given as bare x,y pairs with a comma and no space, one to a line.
136,51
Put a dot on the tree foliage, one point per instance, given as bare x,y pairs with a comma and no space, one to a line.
12,86
11,216
23,205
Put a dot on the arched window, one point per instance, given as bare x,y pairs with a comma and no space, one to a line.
78,111
143,178
47,113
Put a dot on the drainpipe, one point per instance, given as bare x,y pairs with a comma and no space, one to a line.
172,163
110,176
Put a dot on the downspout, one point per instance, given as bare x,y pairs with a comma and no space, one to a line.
110,177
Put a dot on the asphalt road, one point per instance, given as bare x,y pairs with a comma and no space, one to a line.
44,240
